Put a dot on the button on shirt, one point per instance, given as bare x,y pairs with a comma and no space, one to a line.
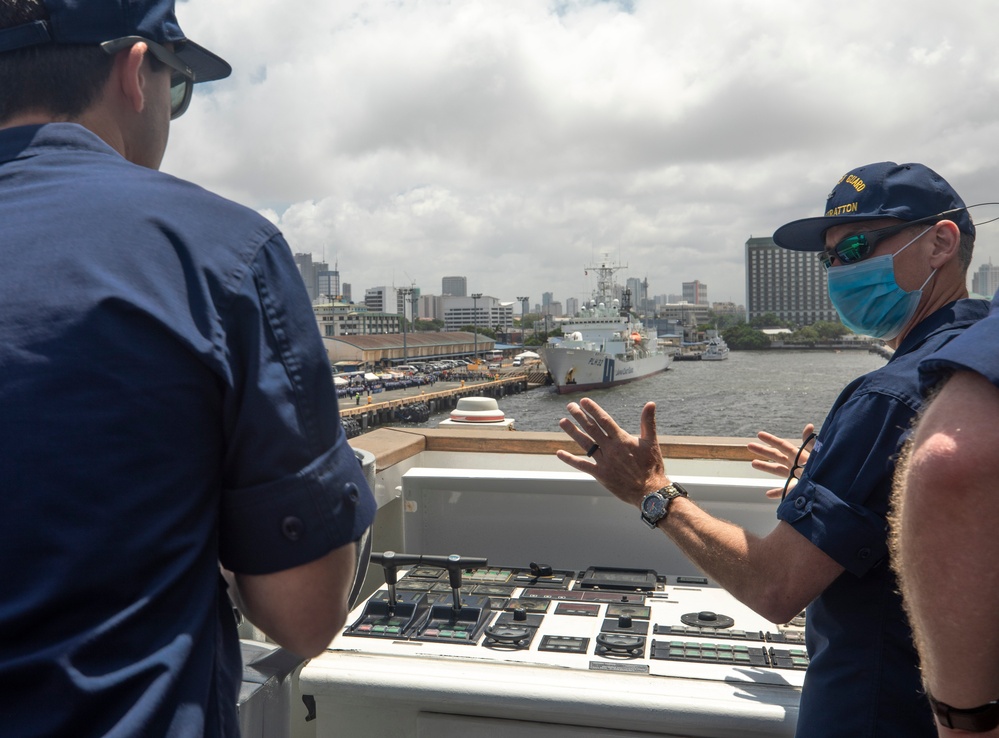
862,663
166,405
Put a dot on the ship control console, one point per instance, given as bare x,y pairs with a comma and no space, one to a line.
455,640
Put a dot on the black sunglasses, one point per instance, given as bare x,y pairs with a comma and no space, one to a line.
796,466
860,245
181,78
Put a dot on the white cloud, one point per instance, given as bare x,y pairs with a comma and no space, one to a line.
515,141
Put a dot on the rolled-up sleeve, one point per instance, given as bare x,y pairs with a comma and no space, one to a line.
840,503
293,489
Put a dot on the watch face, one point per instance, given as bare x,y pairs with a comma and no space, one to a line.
653,506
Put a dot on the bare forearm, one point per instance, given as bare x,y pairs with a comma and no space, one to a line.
301,608
776,575
947,542
762,573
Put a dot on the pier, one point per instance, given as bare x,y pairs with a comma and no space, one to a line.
392,405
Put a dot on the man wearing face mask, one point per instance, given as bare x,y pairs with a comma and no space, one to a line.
897,242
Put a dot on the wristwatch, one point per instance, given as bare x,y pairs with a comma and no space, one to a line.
979,719
655,505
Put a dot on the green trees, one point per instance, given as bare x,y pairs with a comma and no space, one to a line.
744,338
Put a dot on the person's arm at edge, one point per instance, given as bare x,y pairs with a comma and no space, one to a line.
946,543
776,575
301,608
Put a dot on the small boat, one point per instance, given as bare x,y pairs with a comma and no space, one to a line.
605,345
477,412
716,350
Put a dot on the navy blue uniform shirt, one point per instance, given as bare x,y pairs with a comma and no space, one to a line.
863,680
165,405
976,350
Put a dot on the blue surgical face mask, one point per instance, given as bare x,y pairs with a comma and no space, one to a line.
869,300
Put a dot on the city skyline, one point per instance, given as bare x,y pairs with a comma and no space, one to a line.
515,142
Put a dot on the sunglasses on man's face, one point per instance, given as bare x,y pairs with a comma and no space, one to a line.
861,245
181,76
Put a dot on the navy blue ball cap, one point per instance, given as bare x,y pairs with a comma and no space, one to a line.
97,21
882,190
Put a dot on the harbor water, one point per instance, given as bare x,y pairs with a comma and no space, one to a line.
777,391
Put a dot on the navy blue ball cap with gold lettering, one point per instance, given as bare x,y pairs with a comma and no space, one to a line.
882,190
97,21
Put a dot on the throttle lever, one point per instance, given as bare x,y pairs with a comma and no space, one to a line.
390,561
454,564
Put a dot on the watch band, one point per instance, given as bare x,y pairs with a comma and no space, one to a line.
979,719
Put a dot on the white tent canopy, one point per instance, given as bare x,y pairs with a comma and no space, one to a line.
527,355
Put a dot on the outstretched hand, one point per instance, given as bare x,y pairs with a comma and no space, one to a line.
629,466
777,455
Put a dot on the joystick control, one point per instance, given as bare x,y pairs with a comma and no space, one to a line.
390,561
388,615
454,564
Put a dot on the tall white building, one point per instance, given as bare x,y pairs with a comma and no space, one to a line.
484,312
384,300
985,281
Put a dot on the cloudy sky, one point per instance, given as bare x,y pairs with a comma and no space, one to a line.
516,141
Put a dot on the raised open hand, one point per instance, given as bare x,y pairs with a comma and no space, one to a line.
782,457
629,466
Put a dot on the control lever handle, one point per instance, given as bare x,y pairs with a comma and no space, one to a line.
541,570
454,564
390,561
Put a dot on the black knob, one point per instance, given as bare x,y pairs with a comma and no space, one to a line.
519,614
624,621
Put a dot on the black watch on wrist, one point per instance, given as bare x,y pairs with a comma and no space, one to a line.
655,505
979,719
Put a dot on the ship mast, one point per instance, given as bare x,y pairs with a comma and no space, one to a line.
605,281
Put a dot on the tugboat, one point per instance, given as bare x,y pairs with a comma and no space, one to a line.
717,350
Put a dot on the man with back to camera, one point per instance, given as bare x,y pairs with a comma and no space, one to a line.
897,242
944,523
167,403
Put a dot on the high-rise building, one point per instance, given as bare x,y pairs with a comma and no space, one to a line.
337,318
546,301
484,312
328,283
431,307
456,286
310,271
985,281
696,292
384,300
790,284
571,306
640,302
346,292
